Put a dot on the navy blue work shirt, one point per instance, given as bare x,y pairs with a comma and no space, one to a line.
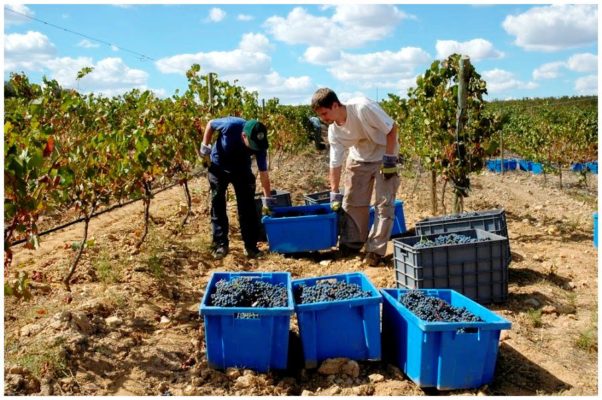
229,151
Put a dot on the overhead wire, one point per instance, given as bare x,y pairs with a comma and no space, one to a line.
138,54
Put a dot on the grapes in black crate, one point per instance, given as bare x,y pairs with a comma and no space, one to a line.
451,238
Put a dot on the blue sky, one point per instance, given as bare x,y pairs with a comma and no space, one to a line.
288,51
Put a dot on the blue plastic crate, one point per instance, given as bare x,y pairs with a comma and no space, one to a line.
342,328
282,198
445,355
399,224
535,167
247,337
523,165
596,229
578,167
592,166
496,165
301,228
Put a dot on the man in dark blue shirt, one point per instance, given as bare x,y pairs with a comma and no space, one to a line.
229,161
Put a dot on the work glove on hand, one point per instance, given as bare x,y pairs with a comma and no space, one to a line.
205,155
335,201
389,167
267,204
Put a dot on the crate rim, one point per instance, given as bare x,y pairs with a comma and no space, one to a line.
205,309
498,323
483,213
374,299
399,241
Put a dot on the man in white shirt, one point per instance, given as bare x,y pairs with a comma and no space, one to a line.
361,126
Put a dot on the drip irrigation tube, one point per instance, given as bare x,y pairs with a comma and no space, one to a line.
96,214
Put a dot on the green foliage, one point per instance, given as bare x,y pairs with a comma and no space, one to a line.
554,132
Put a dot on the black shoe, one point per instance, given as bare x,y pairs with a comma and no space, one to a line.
347,251
220,252
253,252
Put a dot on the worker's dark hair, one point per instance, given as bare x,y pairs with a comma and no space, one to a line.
324,97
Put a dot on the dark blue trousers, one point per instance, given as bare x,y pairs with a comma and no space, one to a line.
243,182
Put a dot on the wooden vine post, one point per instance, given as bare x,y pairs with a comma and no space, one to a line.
460,117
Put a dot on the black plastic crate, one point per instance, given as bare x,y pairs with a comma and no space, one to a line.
318,197
282,198
493,221
477,270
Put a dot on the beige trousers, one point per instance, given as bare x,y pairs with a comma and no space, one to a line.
360,180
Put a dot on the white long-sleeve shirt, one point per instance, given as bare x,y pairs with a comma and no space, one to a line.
364,133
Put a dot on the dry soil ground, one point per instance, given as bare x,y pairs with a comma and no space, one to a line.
130,326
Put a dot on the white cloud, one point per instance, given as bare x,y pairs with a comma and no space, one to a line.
216,15
19,16
249,65
587,85
254,42
222,62
386,65
476,49
584,62
109,76
350,26
321,55
29,51
244,17
114,48
549,71
499,80
87,44
33,52
555,27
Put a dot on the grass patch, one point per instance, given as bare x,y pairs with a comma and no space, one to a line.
107,270
534,316
41,359
588,340
155,246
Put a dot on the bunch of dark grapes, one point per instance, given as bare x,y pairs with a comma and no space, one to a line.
434,309
244,291
460,215
448,239
329,291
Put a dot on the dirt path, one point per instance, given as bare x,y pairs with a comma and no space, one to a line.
130,326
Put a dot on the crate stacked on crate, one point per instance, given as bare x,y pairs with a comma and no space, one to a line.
453,344
475,264
339,316
247,319
468,252
493,221
282,198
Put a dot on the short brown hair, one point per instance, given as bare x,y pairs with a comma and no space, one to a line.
324,97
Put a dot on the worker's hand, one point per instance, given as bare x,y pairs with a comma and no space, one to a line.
267,204
335,201
205,155
389,167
